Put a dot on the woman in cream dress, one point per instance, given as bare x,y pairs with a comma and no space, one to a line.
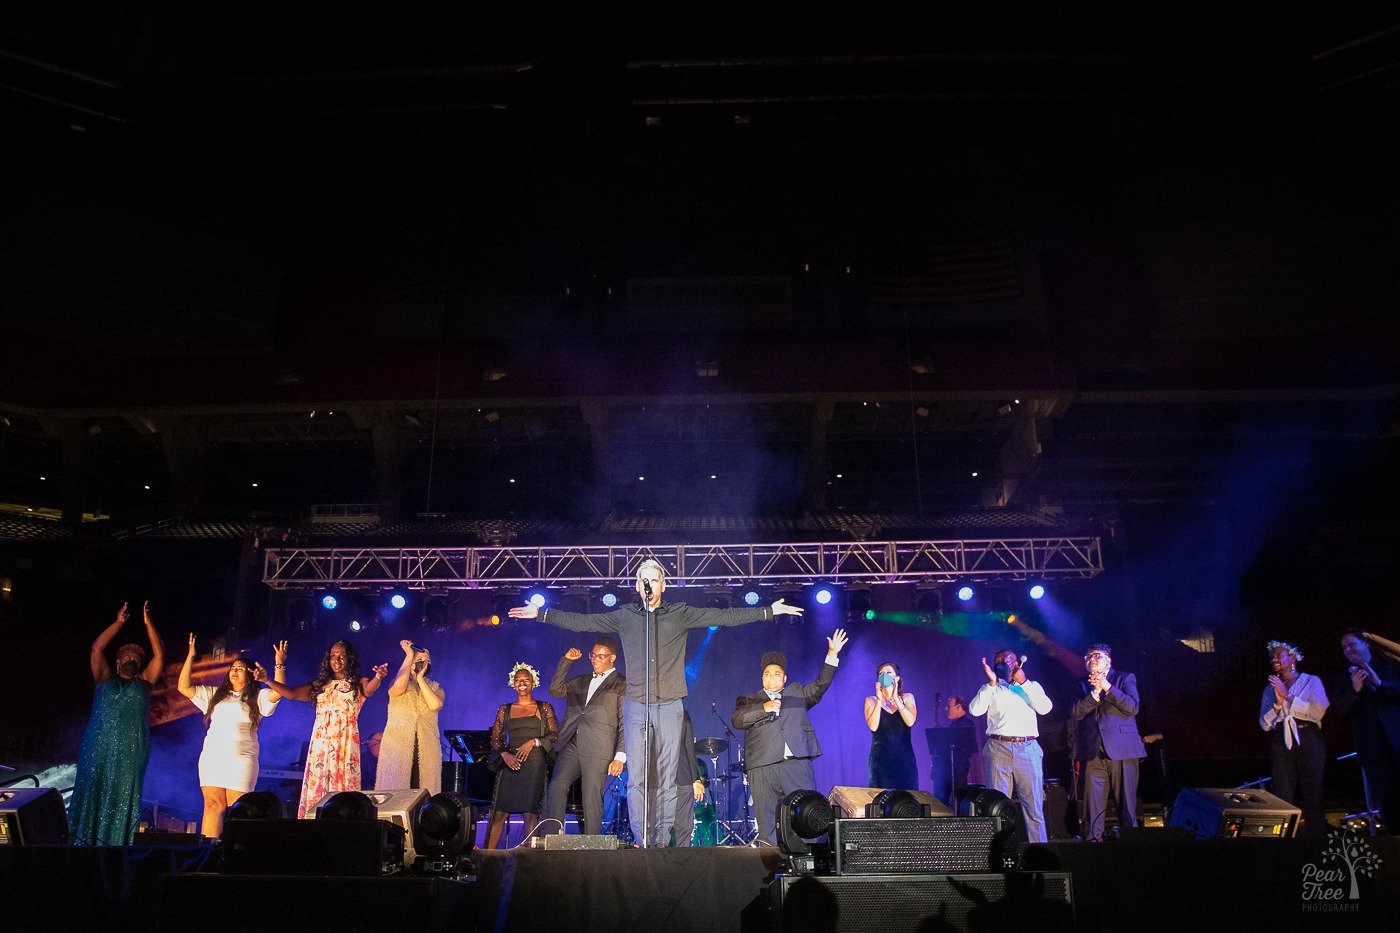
410,754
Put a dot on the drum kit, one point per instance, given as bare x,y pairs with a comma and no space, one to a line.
734,820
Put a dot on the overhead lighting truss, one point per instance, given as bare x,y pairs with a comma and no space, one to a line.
870,562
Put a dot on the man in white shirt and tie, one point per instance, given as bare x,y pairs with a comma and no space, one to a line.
590,744
1012,755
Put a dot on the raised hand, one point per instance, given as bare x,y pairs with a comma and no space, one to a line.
527,611
191,644
279,652
260,673
145,612
991,674
573,654
123,614
381,670
837,641
407,646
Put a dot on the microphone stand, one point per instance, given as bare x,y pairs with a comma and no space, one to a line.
728,776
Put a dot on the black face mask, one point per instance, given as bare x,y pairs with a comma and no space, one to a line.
1003,670
128,668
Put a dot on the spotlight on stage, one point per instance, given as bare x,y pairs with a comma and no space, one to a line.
1037,591
398,601
964,593
258,805
537,599
443,834
804,818
1010,836
348,806
609,599
897,805
823,596
751,598
329,601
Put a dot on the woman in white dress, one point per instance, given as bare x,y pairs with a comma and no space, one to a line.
228,765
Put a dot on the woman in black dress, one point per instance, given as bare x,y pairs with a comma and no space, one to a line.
890,714
521,740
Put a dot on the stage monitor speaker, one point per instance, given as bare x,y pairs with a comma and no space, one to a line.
907,904
852,801
399,807
32,816
919,846
1236,813
330,848
557,841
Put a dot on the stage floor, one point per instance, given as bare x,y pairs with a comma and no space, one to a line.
1148,883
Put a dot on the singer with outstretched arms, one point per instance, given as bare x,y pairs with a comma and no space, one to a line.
1012,755
655,683
779,742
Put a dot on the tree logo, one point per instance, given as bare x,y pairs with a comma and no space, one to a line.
1331,883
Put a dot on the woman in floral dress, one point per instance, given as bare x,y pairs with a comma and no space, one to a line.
333,758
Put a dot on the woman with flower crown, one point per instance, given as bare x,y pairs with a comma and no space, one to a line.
522,738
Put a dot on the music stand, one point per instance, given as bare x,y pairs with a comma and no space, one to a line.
947,747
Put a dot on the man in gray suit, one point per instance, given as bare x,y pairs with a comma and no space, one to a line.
590,745
1107,745
779,743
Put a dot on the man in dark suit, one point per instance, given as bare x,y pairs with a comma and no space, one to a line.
1369,695
1107,745
779,743
590,738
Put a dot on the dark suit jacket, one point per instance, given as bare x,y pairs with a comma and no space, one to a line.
1374,713
1114,717
765,736
597,726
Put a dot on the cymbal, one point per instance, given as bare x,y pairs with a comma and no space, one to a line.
710,748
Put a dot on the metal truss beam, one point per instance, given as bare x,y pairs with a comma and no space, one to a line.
869,562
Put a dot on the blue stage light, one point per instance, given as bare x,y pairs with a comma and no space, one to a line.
1037,591
397,601
610,599
751,598
354,625
823,596
329,601
964,593
537,600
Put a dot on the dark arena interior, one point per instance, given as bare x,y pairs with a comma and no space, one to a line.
1067,334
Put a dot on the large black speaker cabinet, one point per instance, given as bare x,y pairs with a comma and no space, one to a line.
32,816
1237,813
332,848
914,903
918,846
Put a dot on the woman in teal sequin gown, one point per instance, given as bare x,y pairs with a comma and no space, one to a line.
106,802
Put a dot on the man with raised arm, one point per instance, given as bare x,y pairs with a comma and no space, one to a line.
655,682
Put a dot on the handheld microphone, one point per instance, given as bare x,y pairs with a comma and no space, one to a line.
1023,660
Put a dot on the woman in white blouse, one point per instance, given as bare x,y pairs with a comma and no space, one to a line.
1292,710
228,765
